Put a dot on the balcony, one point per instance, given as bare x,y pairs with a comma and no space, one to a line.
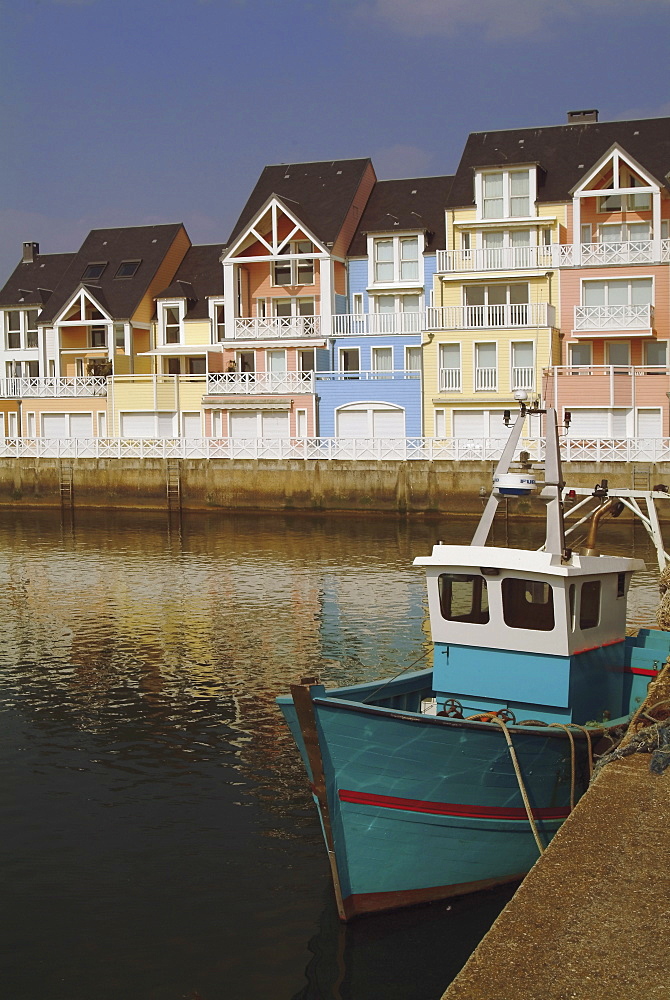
553,255
52,388
399,375
608,385
496,258
362,324
255,383
277,327
450,379
612,319
511,316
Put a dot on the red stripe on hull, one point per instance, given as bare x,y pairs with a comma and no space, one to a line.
448,808
638,670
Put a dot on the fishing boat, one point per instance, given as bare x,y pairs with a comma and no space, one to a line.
450,780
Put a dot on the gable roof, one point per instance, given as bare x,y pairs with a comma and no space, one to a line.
199,276
148,244
564,152
319,193
412,203
31,283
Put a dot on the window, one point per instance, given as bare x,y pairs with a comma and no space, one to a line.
298,271
219,321
119,336
349,359
98,336
306,360
609,203
450,367
505,194
197,366
631,291
580,354
496,305
171,324
174,366
246,361
31,328
94,271
528,604
13,324
589,606
440,423
463,598
396,259
617,352
413,359
523,366
486,367
382,359
293,307
618,233
620,585
358,304
127,268
656,352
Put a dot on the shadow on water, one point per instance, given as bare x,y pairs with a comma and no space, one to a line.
406,955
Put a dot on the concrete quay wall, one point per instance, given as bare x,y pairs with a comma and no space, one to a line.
415,487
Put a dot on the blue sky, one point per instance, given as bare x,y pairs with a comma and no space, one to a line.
128,112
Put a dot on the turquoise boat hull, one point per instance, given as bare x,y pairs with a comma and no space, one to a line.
417,807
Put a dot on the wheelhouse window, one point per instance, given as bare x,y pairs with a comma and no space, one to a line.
589,605
463,598
528,604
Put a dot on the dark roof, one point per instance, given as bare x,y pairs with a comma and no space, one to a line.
149,244
200,275
32,283
413,203
565,153
320,194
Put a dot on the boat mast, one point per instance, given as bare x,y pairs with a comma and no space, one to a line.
552,486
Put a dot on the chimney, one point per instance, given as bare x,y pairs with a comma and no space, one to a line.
580,117
30,251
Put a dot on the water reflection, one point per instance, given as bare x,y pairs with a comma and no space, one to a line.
160,840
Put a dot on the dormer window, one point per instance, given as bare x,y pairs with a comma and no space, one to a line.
505,194
94,271
396,259
127,268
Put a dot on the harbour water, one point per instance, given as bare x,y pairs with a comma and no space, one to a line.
159,840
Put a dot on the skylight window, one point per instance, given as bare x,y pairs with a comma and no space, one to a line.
94,270
127,268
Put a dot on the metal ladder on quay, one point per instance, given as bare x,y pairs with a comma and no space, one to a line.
173,483
66,483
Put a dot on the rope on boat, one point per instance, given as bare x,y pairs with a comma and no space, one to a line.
571,737
663,612
519,778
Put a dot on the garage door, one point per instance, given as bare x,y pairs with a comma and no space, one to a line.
258,424
371,421
595,423
138,425
191,425
649,424
388,423
54,425
468,424
81,425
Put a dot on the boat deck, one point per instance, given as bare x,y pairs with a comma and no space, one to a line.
588,919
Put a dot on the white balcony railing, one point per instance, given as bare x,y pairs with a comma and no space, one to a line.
450,379
398,375
554,255
614,317
277,327
495,258
402,449
353,324
486,379
609,370
510,315
252,383
523,378
52,388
